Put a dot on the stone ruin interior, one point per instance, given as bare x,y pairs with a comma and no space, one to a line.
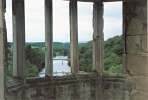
132,85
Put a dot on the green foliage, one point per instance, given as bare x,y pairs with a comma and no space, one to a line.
115,69
85,57
113,50
10,70
10,62
61,50
54,54
32,70
37,44
36,56
34,61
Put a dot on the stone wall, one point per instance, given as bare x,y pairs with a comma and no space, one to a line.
86,87
115,87
136,47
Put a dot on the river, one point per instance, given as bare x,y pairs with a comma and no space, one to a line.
60,68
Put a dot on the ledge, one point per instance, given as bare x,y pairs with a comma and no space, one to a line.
113,77
103,0
95,78
62,78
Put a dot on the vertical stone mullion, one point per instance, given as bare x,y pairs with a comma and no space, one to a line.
98,36
48,38
19,67
1,53
74,37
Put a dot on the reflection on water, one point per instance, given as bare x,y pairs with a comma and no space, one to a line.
60,68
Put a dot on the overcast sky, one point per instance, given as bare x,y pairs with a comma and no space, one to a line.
35,27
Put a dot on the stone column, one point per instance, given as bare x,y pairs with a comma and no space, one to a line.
19,67
3,51
74,37
48,38
98,36
136,47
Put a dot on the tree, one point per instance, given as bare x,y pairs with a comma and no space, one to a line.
113,50
32,70
35,56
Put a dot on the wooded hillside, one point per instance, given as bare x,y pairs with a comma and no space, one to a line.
113,50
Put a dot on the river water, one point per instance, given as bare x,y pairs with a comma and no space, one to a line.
60,68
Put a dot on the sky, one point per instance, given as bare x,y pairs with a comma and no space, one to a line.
35,20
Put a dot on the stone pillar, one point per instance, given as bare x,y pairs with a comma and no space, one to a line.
19,67
74,59
136,47
3,51
48,38
98,36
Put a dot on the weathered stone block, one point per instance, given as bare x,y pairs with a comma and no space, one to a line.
87,86
142,83
138,95
70,88
1,15
11,96
94,85
81,95
79,87
63,89
117,85
144,46
107,95
63,97
93,94
49,93
126,95
137,25
118,95
123,86
136,64
136,7
76,96
107,85
1,82
87,95
33,93
115,95
39,93
1,46
133,44
26,94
